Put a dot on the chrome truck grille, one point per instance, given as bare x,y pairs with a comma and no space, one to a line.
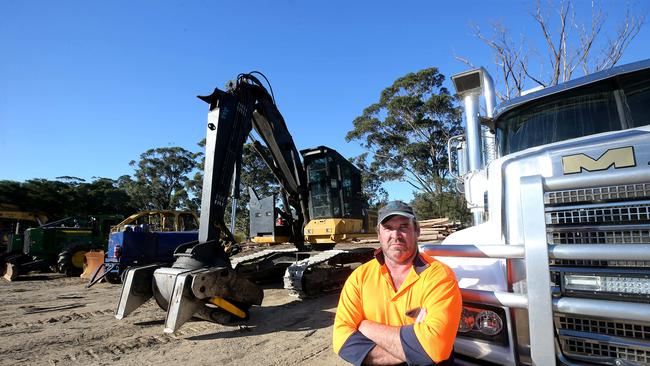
608,215
616,193
588,349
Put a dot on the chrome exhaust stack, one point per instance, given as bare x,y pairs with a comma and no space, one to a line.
479,143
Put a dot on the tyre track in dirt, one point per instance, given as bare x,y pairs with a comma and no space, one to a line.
60,319
74,316
91,345
55,338
153,338
85,340
108,351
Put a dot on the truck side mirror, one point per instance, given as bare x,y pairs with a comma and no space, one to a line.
457,157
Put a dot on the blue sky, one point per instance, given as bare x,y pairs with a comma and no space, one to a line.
87,86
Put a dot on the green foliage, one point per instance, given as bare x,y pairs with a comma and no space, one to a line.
407,130
104,196
406,133
194,185
67,196
160,178
12,192
254,173
444,204
161,181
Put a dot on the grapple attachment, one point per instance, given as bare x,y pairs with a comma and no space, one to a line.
190,288
216,294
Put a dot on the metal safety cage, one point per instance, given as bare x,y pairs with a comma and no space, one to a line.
537,254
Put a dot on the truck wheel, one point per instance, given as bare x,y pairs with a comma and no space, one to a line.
71,261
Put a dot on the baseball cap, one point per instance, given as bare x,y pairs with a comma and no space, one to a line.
395,208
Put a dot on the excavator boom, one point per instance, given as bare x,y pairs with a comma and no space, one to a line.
231,117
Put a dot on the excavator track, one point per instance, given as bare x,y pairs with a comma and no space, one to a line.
267,265
244,259
326,271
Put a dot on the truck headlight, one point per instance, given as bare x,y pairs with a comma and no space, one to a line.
467,320
603,283
488,322
482,322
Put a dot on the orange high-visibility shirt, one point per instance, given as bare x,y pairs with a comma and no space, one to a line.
369,294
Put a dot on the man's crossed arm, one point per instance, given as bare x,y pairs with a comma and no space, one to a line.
388,349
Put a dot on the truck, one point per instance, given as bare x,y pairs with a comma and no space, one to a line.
143,238
323,203
60,245
556,268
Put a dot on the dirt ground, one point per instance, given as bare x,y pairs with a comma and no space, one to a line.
49,319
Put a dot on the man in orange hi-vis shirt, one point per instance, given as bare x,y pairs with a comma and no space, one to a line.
401,307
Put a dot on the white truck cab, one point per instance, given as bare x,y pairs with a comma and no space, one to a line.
558,183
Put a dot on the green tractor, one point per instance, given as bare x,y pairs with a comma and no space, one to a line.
13,223
59,246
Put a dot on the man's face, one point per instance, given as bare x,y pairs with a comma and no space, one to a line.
398,237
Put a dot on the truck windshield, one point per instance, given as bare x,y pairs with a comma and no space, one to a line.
609,105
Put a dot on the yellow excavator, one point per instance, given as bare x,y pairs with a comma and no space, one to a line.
322,205
337,210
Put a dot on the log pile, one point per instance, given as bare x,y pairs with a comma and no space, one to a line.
432,230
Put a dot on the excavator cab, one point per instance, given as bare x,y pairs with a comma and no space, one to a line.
334,184
337,209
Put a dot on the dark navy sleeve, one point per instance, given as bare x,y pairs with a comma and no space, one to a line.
356,348
413,350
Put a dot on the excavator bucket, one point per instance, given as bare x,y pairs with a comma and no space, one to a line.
93,262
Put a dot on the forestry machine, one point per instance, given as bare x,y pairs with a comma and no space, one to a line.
203,282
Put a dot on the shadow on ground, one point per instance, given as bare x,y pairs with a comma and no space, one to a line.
296,316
